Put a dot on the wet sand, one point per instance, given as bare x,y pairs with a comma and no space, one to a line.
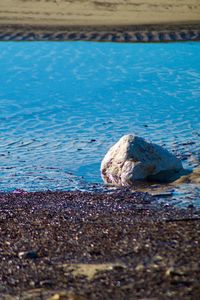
80,245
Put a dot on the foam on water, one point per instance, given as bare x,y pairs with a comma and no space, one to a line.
63,104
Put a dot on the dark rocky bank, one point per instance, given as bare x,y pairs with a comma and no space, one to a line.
148,250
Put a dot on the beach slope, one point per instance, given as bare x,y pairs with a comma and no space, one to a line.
76,245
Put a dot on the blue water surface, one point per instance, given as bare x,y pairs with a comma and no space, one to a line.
63,104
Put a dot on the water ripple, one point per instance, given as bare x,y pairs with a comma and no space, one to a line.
64,104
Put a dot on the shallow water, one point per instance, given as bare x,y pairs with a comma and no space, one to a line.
63,104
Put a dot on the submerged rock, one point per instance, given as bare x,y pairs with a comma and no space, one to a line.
132,159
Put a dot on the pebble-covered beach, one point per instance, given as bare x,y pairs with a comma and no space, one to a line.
81,245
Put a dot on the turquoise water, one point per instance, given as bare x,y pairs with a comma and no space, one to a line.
62,104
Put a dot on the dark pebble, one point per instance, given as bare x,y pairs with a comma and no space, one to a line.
31,255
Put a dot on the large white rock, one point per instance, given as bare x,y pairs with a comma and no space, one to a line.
132,159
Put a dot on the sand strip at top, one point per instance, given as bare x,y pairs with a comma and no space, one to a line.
111,20
98,12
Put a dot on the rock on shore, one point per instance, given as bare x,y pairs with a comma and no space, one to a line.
132,159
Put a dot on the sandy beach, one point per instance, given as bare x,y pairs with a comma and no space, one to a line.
116,21
78,245
111,12
119,21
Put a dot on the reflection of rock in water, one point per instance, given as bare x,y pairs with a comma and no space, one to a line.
184,189
192,177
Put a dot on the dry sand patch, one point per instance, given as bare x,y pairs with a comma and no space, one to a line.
95,13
